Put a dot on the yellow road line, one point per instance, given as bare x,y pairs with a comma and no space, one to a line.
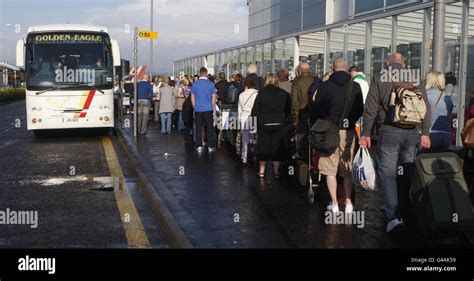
134,230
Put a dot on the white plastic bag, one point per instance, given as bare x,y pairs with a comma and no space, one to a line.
363,171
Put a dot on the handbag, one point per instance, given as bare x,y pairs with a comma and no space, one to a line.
324,133
467,134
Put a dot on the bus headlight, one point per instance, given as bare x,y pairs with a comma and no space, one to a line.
33,120
39,120
106,118
39,108
33,109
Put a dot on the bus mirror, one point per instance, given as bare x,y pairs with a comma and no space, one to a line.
116,53
20,54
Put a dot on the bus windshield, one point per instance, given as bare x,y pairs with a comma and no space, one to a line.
83,59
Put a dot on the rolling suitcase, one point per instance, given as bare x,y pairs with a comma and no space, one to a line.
440,195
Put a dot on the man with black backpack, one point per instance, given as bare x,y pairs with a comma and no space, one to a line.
222,88
233,91
401,126
338,105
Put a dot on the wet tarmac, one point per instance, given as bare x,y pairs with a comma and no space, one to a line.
217,202
65,178
220,204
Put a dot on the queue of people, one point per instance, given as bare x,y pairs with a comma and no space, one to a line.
285,109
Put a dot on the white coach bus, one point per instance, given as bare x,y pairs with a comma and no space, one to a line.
69,75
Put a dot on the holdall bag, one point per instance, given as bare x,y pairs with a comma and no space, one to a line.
467,134
324,133
325,136
439,193
407,106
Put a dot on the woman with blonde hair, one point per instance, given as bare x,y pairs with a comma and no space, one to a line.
327,75
272,108
245,105
284,80
441,110
156,96
183,92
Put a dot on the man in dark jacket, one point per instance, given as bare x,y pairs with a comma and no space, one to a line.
312,98
394,145
252,75
236,79
222,87
329,105
299,107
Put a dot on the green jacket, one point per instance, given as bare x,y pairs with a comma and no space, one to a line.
299,94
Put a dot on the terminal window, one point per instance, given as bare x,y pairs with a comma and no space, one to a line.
362,6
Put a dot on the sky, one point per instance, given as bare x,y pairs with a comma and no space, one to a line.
185,27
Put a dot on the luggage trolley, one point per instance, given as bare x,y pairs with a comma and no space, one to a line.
309,175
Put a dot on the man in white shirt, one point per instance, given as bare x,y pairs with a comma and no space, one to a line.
360,78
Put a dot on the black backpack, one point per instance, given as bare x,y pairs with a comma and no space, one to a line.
232,94
324,133
222,89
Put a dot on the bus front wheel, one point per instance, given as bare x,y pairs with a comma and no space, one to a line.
38,133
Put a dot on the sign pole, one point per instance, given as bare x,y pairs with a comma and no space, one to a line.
151,41
135,76
143,34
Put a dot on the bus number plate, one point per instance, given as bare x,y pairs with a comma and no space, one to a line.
70,120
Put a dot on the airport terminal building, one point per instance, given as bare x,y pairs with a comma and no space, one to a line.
365,32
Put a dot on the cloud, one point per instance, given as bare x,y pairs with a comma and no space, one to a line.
186,27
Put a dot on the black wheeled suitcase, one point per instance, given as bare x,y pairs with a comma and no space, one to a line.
440,195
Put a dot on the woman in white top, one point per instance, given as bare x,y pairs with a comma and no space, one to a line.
246,100
156,97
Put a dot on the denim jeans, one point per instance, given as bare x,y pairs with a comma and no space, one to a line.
245,133
180,120
157,111
165,122
395,148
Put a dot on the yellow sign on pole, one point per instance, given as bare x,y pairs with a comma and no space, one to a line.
147,34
